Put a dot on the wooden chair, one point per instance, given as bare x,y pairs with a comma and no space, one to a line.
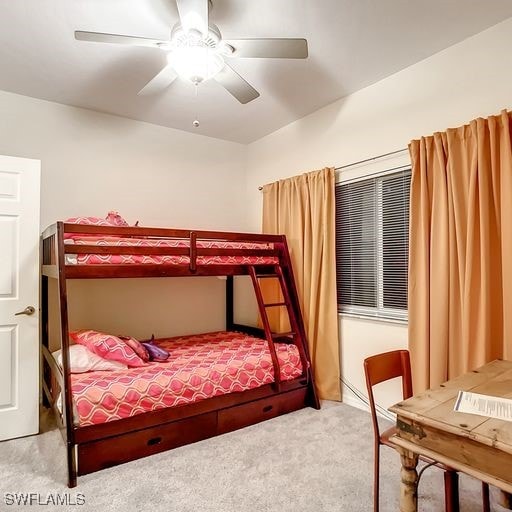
387,366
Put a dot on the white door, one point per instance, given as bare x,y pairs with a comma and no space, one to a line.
19,292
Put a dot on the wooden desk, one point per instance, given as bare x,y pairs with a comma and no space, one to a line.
478,446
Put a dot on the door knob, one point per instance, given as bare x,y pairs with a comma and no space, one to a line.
29,310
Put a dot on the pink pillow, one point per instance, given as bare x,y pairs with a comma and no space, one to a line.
112,219
107,346
89,221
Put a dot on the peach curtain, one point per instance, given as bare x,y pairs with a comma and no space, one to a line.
460,251
303,208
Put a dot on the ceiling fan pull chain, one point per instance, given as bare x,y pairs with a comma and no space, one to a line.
196,122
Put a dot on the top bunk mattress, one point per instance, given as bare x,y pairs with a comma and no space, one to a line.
199,367
141,259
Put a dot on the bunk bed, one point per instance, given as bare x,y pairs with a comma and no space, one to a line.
277,376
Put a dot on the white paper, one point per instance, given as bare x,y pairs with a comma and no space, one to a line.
484,405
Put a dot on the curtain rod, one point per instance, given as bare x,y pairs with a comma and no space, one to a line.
364,161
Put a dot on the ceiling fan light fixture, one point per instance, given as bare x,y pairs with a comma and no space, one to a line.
195,63
193,56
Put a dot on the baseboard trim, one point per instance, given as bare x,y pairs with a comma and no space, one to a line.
354,401
349,398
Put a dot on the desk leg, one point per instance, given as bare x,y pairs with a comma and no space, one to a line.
409,482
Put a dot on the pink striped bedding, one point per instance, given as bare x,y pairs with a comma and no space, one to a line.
199,367
138,259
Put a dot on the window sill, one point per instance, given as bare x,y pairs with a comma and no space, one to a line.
377,319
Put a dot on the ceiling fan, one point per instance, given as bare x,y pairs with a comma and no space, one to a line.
197,52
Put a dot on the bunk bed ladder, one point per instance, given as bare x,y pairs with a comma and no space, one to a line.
293,316
269,335
297,333
296,329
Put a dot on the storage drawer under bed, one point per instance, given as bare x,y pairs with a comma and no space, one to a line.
250,413
115,450
96,455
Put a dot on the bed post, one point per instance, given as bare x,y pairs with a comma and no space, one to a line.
43,332
67,399
193,252
43,327
229,303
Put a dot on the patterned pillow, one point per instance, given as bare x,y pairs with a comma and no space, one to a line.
112,219
82,360
89,221
107,346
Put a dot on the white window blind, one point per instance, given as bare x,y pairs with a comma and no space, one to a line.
372,243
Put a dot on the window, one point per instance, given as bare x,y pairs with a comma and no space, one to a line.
372,243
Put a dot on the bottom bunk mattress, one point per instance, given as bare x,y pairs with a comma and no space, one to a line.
199,367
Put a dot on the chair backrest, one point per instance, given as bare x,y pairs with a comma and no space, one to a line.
383,367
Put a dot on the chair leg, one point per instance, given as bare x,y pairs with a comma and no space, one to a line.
486,501
451,491
376,474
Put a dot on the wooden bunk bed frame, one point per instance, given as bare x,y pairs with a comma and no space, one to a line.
94,447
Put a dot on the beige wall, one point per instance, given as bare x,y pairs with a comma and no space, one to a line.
468,80
92,163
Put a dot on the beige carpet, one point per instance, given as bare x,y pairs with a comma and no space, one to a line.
305,461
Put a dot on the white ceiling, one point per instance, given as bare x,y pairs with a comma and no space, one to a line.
352,44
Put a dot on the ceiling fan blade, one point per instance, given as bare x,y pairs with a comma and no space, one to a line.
269,48
160,82
99,37
236,85
193,15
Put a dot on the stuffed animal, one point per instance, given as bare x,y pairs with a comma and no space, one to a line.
156,353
